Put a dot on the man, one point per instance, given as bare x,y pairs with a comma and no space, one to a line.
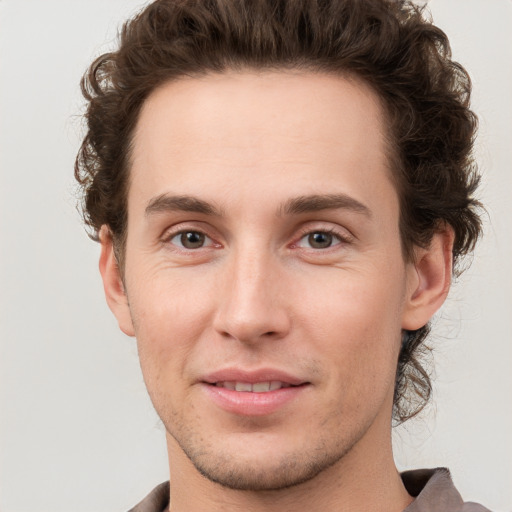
282,191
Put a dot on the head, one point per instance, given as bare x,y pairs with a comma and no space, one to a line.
388,60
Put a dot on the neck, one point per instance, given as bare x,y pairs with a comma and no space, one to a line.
364,480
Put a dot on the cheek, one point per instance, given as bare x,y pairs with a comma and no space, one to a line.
170,309
355,319
361,304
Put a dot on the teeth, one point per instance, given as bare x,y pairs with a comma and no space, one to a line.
261,387
243,386
257,387
275,384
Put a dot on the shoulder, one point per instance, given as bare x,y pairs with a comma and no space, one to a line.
156,501
434,491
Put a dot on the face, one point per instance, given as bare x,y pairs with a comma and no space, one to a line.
264,276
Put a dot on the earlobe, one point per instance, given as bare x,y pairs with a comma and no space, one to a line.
113,284
428,280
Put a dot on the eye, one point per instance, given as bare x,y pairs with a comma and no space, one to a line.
190,240
319,240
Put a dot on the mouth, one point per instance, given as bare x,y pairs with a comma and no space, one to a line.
257,393
256,387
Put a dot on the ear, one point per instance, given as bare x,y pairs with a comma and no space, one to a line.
113,284
428,280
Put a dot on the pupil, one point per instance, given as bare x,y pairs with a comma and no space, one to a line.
320,240
192,239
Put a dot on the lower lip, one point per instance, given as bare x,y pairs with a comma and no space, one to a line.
252,404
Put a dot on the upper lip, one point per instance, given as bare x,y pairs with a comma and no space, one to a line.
252,376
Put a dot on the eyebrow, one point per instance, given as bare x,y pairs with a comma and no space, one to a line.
166,203
318,202
294,206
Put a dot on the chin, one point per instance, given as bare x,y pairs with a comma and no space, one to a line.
263,471
289,472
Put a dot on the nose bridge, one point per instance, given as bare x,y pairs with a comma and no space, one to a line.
251,306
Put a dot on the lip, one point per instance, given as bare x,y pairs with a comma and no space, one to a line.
261,375
244,403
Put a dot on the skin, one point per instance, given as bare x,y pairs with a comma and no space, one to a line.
261,292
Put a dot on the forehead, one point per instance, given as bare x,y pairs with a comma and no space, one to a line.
258,131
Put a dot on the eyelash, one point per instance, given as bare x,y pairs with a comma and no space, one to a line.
342,238
170,236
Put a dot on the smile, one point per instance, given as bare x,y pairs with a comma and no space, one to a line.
257,387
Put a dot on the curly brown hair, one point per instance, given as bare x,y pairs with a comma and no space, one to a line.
390,44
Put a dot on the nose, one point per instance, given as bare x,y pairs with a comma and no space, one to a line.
252,302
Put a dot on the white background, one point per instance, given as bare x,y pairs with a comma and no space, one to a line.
77,431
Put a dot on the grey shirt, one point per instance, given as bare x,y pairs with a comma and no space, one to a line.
432,489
